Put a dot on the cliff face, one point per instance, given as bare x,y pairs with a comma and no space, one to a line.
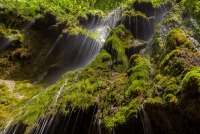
145,78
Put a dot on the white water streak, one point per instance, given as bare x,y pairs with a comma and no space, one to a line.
4,131
60,90
27,25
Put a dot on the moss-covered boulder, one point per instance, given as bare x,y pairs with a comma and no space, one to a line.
191,84
175,38
118,39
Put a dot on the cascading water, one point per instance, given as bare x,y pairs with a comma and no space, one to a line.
89,49
76,51
83,50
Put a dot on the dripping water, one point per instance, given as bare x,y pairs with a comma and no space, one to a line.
50,123
54,44
4,131
111,18
80,119
92,118
71,111
145,120
40,77
162,5
103,32
5,42
27,25
76,121
81,46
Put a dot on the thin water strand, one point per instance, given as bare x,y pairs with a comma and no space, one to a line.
92,119
5,42
4,131
60,90
145,121
54,44
27,25
76,121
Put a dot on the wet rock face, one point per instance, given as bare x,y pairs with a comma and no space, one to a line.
161,11
70,53
144,7
90,22
74,51
135,49
132,126
141,27
141,22
11,19
48,27
182,118
78,121
45,22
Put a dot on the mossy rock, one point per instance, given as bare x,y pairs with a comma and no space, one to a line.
175,38
191,84
117,40
156,45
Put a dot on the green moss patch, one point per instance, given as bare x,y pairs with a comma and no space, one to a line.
191,83
118,39
175,38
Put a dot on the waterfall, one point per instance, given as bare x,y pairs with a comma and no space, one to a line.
89,49
105,26
81,51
